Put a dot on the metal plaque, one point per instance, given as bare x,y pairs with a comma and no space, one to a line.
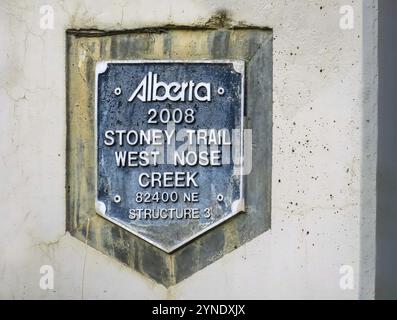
169,146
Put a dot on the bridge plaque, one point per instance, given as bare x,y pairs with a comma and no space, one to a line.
169,146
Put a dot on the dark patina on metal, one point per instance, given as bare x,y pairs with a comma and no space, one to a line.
169,146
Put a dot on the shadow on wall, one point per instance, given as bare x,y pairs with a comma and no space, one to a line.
386,230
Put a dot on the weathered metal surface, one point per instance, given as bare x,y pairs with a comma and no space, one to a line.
169,160
252,45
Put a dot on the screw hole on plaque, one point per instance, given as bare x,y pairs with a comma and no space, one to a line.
221,91
117,91
116,198
219,197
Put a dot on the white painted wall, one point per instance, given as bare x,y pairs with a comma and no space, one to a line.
323,194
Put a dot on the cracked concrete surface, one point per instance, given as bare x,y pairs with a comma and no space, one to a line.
323,153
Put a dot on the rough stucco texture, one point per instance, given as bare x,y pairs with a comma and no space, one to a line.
322,140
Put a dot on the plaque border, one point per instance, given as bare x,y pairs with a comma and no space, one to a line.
253,45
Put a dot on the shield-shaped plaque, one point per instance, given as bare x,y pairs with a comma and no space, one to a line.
169,146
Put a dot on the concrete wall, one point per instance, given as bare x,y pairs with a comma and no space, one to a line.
324,149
